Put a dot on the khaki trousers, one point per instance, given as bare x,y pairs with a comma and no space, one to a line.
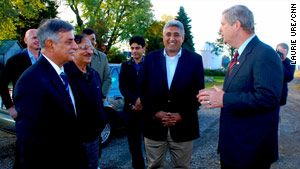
181,153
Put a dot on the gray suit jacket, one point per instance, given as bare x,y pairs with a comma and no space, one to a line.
100,64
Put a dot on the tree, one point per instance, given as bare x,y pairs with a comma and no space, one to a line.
19,15
188,37
24,23
113,20
154,36
220,46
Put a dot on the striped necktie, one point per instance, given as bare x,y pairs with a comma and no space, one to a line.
66,85
233,62
65,82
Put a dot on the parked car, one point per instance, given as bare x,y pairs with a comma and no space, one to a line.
113,107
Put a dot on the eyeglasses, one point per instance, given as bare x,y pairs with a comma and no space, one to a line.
85,47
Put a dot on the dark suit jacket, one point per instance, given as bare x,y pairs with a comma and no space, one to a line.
46,126
91,112
128,84
13,69
288,71
249,118
155,95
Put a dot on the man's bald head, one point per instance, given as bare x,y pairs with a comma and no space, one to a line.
31,39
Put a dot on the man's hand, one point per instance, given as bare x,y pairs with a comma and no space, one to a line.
210,98
167,118
12,112
138,105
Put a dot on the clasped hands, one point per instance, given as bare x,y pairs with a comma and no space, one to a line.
211,98
167,118
138,105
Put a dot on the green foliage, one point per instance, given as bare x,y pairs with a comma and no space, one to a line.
188,37
114,20
220,46
115,56
154,43
17,16
217,72
154,36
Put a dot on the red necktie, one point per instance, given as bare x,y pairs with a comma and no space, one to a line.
236,54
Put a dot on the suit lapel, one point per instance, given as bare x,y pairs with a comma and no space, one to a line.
27,60
57,83
239,64
162,62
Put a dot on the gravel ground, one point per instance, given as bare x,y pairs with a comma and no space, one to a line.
116,155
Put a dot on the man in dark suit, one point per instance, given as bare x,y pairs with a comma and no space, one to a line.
47,123
169,81
250,97
282,50
129,87
16,65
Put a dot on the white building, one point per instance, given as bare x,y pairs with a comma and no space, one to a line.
210,59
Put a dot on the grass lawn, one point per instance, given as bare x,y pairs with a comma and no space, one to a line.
218,81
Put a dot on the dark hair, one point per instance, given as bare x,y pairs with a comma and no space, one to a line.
78,38
88,31
137,39
50,28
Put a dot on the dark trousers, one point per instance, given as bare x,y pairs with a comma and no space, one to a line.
135,137
255,166
17,163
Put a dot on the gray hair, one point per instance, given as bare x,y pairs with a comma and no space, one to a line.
242,14
284,46
50,28
175,23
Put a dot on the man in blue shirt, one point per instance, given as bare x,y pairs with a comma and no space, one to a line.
128,84
16,65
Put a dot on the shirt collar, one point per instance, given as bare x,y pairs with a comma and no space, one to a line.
133,62
32,57
178,54
244,45
55,66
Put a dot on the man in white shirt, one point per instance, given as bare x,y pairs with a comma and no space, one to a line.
170,80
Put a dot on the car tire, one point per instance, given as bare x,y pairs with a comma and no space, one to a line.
108,131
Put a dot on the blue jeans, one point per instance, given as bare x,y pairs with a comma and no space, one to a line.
92,153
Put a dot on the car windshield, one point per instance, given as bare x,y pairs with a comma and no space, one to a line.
115,76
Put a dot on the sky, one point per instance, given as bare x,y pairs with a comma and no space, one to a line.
272,18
